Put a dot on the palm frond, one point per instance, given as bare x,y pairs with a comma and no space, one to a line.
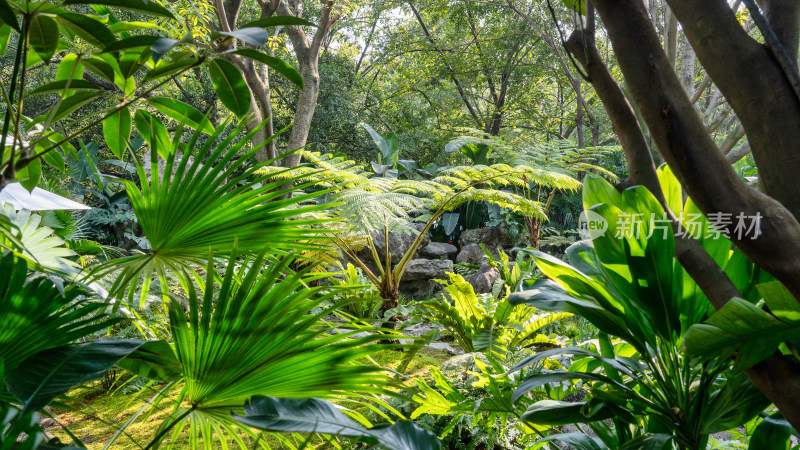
209,199
254,334
39,245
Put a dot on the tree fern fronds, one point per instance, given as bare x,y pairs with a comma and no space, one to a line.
502,199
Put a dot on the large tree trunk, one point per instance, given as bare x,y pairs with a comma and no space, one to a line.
308,61
682,137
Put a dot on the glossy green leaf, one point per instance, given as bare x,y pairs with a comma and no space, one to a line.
576,440
50,373
164,68
70,85
30,175
318,416
92,31
277,64
155,360
69,104
8,16
648,441
70,67
54,159
558,413
576,5
230,86
5,38
182,113
740,325
774,433
132,42
43,35
117,131
154,133
143,6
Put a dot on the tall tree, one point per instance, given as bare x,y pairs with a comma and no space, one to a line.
306,48
761,88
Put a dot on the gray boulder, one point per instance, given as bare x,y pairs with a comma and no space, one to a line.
418,278
484,279
399,243
426,269
438,250
471,254
491,237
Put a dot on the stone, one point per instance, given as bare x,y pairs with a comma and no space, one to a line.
399,243
426,269
445,347
438,250
471,254
463,363
491,237
417,280
484,279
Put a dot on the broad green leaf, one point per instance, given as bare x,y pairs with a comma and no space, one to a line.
117,131
155,360
143,6
66,86
275,21
671,188
91,30
558,413
744,326
69,104
254,36
318,416
30,175
43,35
648,441
50,373
182,113
780,301
154,133
101,67
124,27
534,381
161,46
5,38
53,159
8,16
69,67
576,440
774,433
278,64
131,42
736,402
165,68
230,86
59,317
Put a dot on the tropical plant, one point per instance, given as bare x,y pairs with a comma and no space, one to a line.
207,199
318,416
388,152
483,322
114,57
38,243
252,333
627,283
370,203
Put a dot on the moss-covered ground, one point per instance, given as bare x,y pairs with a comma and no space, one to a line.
94,415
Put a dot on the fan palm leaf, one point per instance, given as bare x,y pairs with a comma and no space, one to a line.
38,244
210,199
254,334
